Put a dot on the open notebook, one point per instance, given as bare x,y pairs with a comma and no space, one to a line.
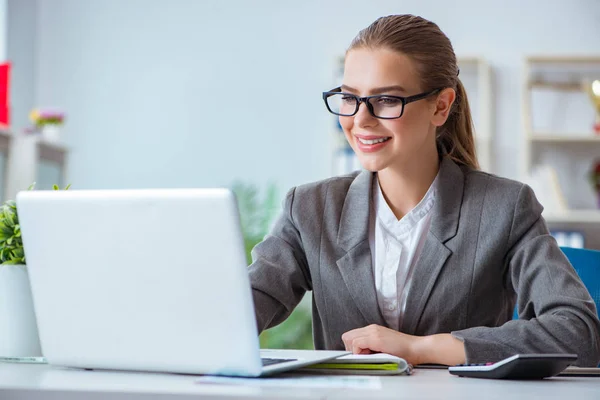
363,364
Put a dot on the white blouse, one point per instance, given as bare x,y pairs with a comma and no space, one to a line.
395,247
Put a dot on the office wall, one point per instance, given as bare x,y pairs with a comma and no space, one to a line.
21,48
200,93
3,29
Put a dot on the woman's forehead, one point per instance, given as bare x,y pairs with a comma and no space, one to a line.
367,70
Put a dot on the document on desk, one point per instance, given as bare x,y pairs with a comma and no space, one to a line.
327,382
363,364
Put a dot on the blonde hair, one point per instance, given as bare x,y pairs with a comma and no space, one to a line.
431,50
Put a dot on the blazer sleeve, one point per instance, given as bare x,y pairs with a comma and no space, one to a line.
279,273
556,312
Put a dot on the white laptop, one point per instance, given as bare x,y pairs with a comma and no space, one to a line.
148,280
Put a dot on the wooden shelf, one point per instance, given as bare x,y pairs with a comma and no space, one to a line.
574,216
564,138
564,59
546,77
561,86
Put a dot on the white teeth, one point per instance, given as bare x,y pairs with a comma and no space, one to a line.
374,141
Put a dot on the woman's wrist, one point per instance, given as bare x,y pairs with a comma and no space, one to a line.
421,350
437,349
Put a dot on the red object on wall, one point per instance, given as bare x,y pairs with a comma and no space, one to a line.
5,93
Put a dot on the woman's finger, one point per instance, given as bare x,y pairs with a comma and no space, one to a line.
360,345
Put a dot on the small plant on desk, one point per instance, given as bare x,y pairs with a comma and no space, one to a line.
11,243
17,315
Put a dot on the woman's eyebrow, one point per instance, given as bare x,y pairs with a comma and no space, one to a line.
379,90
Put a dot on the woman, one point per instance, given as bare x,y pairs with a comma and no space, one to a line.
421,255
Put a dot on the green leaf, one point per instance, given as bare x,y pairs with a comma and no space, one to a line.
31,186
9,217
55,187
9,255
5,232
9,240
68,186
19,253
13,262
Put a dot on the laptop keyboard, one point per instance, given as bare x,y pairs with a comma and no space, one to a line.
271,361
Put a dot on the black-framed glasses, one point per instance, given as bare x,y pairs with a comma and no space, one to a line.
381,106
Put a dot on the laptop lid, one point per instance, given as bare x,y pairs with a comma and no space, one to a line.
151,280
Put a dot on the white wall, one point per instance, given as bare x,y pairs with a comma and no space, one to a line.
199,93
21,49
3,29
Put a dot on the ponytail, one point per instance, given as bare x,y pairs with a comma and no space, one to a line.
455,138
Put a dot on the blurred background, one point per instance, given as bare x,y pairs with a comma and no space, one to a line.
200,93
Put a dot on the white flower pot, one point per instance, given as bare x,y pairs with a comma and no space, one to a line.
18,327
51,133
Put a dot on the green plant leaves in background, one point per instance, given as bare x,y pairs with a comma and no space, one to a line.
257,213
294,333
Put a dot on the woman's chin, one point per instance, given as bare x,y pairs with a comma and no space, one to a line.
371,165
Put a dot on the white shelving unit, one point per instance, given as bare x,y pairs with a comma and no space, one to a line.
542,137
558,118
33,159
574,217
476,76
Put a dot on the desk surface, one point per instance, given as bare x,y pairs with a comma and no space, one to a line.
27,381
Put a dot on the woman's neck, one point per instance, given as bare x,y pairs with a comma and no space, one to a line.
405,186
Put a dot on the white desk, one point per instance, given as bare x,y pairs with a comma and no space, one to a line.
32,382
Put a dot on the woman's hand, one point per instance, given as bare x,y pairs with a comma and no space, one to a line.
439,349
378,339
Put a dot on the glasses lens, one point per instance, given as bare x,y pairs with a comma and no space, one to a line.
342,104
386,107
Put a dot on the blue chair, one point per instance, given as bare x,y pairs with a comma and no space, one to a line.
587,264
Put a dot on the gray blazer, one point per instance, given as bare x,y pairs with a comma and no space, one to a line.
488,247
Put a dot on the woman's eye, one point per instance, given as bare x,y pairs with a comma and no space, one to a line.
388,101
349,99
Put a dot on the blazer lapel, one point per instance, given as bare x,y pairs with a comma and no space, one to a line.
444,225
356,266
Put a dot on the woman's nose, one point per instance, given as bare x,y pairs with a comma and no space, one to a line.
363,116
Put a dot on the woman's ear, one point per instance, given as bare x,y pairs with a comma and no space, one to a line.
443,105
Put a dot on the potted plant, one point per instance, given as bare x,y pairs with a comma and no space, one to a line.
48,123
18,327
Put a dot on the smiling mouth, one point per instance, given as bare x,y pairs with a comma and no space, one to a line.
373,141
